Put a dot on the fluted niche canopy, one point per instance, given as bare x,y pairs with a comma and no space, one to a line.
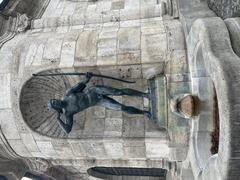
35,96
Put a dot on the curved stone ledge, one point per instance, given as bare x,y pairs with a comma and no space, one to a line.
211,56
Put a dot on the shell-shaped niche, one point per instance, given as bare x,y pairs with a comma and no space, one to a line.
35,96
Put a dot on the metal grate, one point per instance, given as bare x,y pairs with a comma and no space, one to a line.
125,171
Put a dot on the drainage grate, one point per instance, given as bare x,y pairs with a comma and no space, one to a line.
125,171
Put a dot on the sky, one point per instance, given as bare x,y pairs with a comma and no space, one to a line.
24,178
1,1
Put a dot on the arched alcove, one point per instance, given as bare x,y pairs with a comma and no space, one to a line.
94,122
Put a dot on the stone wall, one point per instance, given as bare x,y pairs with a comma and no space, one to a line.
103,37
99,122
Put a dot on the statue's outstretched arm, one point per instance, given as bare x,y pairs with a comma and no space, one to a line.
67,127
81,85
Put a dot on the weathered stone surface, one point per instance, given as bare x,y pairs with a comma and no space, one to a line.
113,127
30,55
19,147
129,14
151,130
178,62
8,126
128,39
175,36
150,11
38,56
68,10
62,148
114,149
77,149
107,47
29,142
134,148
154,48
133,126
52,51
94,149
5,100
46,148
94,127
129,58
106,60
86,49
130,23
153,70
132,72
156,148
67,55
132,4
117,5
109,31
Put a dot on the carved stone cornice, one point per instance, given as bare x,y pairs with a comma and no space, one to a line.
14,25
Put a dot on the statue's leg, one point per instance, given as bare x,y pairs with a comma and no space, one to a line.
106,90
110,103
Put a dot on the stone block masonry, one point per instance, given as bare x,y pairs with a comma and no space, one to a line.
125,39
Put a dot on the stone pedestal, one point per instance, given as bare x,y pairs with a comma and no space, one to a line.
158,103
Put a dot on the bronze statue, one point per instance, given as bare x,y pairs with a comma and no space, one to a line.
79,98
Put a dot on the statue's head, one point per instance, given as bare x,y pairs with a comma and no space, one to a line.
55,104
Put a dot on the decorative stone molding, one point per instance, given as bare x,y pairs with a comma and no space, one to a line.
14,25
23,22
